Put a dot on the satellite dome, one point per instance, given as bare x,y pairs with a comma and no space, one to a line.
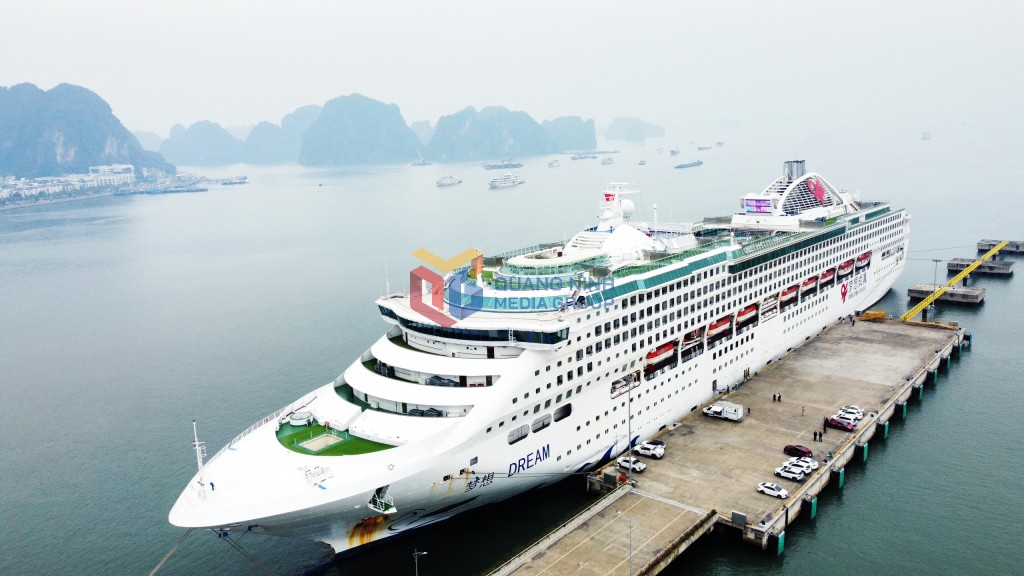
628,208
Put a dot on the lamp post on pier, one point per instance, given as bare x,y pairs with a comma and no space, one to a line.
416,559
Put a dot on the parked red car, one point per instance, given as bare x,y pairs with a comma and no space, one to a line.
798,450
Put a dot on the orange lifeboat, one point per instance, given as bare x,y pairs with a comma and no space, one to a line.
863,259
660,353
718,326
809,284
845,268
826,276
788,294
746,314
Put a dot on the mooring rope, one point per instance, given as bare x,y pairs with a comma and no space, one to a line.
248,556
175,547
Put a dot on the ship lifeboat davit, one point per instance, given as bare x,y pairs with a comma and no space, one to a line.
826,276
718,327
845,268
788,294
746,314
809,284
663,352
863,259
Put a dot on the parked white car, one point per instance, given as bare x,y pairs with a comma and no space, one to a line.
772,490
627,462
795,464
850,415
656,451
808,461
789,473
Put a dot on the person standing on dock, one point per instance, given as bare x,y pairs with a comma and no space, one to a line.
803,410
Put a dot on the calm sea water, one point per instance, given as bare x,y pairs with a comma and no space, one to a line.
122,319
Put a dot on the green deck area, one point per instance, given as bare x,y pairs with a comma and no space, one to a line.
292,436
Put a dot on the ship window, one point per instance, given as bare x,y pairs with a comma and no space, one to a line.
542,422
514,400
518,434
536,408
547,403
473,461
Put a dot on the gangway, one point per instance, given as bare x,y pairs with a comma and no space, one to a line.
956,280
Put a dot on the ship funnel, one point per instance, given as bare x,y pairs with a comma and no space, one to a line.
793,169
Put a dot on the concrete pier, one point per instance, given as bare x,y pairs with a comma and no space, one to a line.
709,475
995,267
954,295
1012,246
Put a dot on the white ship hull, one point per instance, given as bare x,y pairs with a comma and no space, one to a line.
434,468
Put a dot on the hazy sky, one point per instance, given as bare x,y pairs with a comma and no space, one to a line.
916,64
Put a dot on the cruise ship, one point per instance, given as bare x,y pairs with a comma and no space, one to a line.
506,180
548,361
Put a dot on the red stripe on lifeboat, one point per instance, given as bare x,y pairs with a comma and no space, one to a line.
788,293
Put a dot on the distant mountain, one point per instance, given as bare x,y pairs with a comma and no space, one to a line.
492,133
149,140
633,130
239,132
202,144
358,130
423,130
571,133
65,130
269,143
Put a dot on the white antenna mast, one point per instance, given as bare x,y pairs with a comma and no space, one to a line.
387,278
200,450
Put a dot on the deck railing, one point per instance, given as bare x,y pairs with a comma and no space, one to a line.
301,403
